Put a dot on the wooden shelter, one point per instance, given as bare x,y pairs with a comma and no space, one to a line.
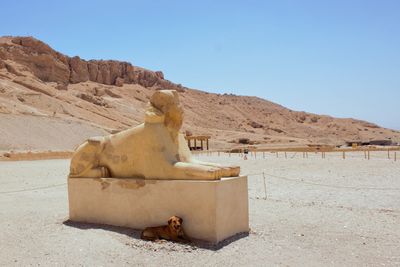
198,142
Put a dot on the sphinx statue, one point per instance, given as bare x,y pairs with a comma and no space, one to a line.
152,150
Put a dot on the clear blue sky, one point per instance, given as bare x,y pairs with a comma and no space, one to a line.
340,58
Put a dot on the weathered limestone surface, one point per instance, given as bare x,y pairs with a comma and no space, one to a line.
152,150
211,210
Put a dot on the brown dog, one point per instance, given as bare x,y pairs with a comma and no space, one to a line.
173,231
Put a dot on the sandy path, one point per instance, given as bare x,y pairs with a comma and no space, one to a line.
332,217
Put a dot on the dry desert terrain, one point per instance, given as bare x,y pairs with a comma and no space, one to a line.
51,101
318,212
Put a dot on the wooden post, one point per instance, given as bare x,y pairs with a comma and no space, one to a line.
365,154
207,143
395,156
265,187
188,143
195,144
344,155
218,153
201,144
306,154
368,154
277,154
229,153
388,153
285,155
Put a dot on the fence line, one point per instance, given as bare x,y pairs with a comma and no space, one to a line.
32,189
253,153
263,173
302,149
322,185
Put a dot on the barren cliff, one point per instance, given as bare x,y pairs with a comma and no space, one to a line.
52,101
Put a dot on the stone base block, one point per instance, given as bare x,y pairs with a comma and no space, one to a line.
211,210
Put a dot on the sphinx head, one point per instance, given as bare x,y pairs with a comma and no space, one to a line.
164,107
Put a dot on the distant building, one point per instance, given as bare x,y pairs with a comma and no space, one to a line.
197,142
355,144
381,143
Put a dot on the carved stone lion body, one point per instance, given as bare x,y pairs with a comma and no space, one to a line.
152,150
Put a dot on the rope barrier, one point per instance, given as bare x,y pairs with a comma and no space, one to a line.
322,204
248,174
32,189
325,185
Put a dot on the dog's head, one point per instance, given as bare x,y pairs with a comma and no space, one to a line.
175,224
164,107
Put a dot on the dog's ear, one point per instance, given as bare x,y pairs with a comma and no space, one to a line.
169,221
180,220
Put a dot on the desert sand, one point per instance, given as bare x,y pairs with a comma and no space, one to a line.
317,212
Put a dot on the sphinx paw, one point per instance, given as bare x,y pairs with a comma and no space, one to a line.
104,172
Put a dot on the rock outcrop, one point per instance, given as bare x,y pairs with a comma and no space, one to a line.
39,86
52,66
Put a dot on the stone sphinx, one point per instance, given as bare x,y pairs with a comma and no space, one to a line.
152,150
140,177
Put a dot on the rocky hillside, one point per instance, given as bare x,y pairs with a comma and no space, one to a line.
52,101
51,66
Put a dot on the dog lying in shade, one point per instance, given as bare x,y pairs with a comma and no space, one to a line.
173,231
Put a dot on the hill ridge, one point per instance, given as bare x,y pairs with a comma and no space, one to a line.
106,95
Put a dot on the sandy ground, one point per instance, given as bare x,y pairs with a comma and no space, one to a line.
24,132
318,212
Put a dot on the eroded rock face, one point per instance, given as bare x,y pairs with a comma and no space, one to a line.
52,66
78,70
46,63
93,99
119,81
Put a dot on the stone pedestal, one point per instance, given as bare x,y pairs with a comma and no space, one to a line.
211,210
